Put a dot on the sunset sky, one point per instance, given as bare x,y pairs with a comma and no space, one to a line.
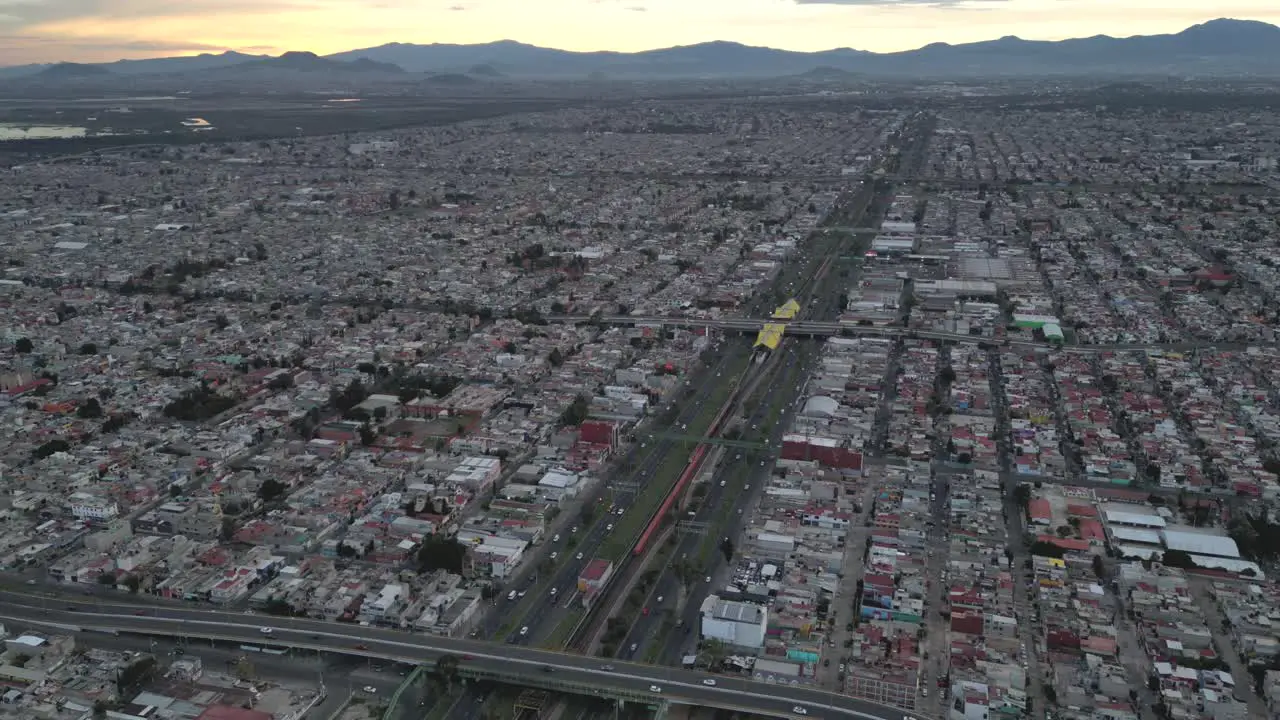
102,30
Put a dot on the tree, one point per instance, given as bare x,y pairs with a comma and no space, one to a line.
1046,549
23,345
447,668
88,349
441,553
90,408
1022,497
555,358
576,413
53,446
1099,568
133,583
271,489
726,547
1177,559
107,579
135,675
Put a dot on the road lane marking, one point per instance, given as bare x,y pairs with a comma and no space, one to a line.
663,682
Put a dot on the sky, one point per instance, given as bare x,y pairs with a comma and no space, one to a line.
104,30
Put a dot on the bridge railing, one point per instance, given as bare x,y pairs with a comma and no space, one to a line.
401,699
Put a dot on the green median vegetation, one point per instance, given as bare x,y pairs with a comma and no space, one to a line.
628,528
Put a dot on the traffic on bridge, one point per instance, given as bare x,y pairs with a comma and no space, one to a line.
657,684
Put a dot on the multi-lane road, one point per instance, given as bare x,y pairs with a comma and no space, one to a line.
658,683
832,327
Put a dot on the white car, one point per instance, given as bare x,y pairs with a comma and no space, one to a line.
524,631
579,556
370,689
608,528
799,710
659,598
708,578
620,511
723,483
709,682
555,555
265,630
655,689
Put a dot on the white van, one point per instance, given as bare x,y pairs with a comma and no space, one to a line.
511,595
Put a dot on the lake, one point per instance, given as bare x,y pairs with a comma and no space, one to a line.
15,131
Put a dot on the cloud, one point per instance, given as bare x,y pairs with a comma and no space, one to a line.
131,46
458,8
17,14
19,49
637,8
900,3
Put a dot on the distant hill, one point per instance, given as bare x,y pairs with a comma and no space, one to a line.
311,63
72,71
826,73
451,79
203,61
1219,48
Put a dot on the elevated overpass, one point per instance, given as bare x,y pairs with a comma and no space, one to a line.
515,664
814,328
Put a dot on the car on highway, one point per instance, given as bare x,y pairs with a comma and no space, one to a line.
708,578
607,668
556,538
620,511
511,595
608,528
548,668
799,710
555,555
370,689
579,556
709,682
524,631
723,483
655,689
659,598
265,630
362,646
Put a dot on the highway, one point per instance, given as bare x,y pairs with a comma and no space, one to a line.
667,631
674,685
547,615
827,328
724,512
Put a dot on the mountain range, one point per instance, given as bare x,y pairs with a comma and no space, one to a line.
1213,49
